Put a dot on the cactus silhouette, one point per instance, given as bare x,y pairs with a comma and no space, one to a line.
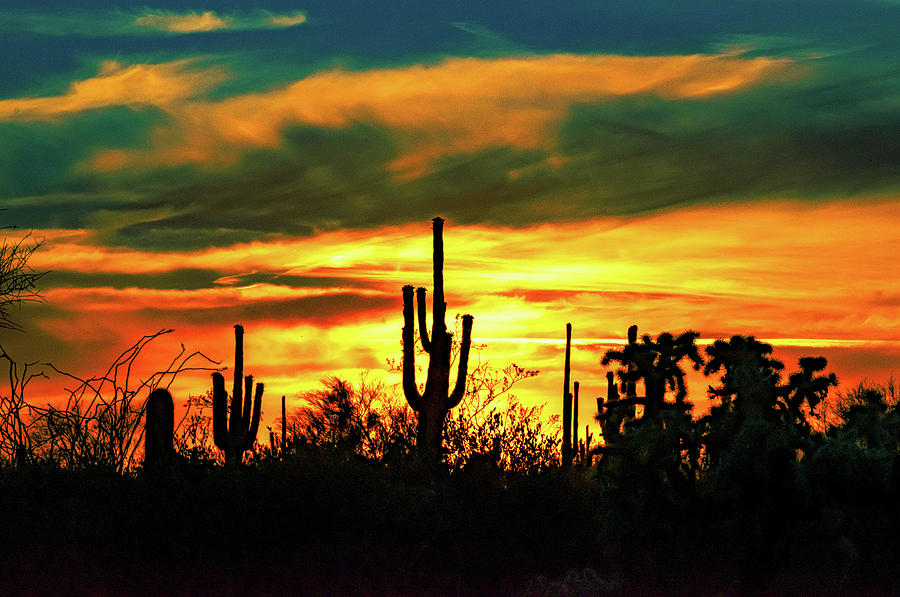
656,363
159,428
805,386
749,383
575,387
611,411
432,405
567,401
235,433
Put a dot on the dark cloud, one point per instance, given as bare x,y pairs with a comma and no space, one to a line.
325,310
42,159
182,279
642,154
38,344
292,281
319,179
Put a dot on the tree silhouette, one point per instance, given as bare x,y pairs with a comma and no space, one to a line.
366,420
869,417
18,281
433,404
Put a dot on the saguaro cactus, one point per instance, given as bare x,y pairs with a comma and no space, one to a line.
433,404
159,428
236,433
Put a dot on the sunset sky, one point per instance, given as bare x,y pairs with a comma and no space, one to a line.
727,167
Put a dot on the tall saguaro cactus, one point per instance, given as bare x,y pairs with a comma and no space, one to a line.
433,404
236,433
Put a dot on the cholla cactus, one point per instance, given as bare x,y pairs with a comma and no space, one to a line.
235,434
433,404
656,362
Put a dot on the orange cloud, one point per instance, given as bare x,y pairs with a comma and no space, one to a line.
457,105
161,85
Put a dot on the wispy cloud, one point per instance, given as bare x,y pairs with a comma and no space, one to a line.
457,105
148,21
191,22
195,22
511,141
138,85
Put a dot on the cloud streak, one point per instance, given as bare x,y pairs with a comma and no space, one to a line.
457,105
135,86
194,22
145,22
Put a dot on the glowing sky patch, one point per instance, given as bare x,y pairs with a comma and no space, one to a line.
726,168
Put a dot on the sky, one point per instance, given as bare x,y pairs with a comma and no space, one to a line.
726,167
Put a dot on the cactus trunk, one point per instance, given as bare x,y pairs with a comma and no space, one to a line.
283,425
575,415
567,402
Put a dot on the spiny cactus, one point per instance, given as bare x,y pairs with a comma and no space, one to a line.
159,428
612,411
432,405
656,363
236,434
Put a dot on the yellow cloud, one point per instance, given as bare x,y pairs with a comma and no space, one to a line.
193,22
182,23
298,18
139,85
457,105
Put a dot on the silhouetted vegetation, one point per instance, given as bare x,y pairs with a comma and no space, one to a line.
778,488
18,281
